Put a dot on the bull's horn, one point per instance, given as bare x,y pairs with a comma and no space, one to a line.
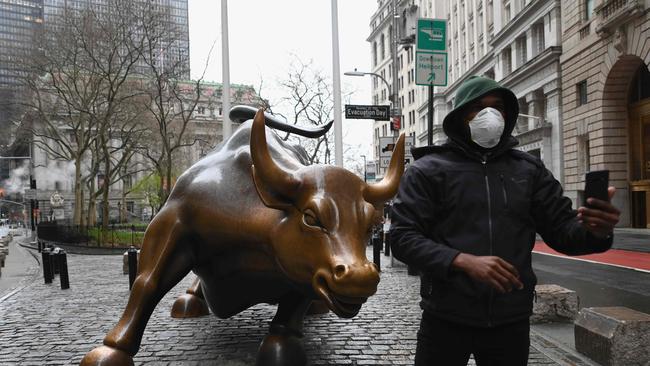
387,188
272,178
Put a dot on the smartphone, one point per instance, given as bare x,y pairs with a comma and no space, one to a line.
596,184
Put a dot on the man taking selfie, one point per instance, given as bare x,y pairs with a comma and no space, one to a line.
466,216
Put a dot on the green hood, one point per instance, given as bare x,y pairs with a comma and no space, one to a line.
474,88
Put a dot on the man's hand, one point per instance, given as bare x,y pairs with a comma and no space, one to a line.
601,217
494,271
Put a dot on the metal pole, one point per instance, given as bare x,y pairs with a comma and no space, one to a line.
365,176
395,93
430,117
336,76
225,59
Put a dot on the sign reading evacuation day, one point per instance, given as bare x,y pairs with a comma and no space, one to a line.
376,112
430,53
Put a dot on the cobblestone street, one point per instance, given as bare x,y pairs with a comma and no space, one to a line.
44,325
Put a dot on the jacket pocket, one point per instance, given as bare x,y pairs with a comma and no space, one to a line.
515,190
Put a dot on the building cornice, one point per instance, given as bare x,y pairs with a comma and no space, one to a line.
550,55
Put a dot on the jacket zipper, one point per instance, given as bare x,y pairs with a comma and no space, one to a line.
505,194
489,202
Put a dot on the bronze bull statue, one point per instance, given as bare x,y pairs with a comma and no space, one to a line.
257,226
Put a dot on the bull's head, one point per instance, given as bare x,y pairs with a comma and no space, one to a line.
329,214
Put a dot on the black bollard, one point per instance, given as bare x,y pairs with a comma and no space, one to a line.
63,270
47,265
133,265
411,271
386,245
376,251
54,255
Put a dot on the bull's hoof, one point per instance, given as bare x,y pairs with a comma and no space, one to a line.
317,307
189,306
281,350
107,356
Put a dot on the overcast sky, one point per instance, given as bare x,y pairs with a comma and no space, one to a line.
264,34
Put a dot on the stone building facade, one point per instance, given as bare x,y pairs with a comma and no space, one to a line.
606,100
515,42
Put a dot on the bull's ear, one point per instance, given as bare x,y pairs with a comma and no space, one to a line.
270,198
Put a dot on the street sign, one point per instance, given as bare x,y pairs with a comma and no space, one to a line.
396,124
376,112
431,68
431,35
30,194
387,145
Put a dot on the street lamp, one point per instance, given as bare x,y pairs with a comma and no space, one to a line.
365,178
363,73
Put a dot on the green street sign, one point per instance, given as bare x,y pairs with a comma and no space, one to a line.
431,35
431,68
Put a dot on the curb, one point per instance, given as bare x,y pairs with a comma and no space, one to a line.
557,352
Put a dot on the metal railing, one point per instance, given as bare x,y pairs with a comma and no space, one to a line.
610,8
116,236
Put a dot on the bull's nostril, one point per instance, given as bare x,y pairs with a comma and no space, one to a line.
340,270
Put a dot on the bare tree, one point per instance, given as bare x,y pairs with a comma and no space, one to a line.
169,101
311,103
79,82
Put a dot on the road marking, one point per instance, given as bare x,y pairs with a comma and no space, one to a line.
590,261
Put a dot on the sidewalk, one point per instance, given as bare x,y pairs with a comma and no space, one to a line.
21,268
632,239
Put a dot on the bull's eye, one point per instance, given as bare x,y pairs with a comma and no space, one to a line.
310,219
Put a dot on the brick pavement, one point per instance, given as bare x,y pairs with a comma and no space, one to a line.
42,324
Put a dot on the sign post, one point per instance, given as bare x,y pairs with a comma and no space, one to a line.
431,60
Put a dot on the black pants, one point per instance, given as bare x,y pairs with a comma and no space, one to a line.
441,342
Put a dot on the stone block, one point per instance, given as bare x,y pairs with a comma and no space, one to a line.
614,336
554,303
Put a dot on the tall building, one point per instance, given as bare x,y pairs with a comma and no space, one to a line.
606,100
19,23
515,42
174,11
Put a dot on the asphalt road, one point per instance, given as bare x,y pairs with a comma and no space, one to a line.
596,284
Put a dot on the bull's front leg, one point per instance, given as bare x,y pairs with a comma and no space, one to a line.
164,261
283,345
191,304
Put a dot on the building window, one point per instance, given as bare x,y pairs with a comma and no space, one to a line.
589,9
506,12
374,54
581,93
507,61
538,38
521,50
382,47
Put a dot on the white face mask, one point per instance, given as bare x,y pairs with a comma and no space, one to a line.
487,127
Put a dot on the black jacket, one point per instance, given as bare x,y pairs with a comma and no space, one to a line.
452,200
